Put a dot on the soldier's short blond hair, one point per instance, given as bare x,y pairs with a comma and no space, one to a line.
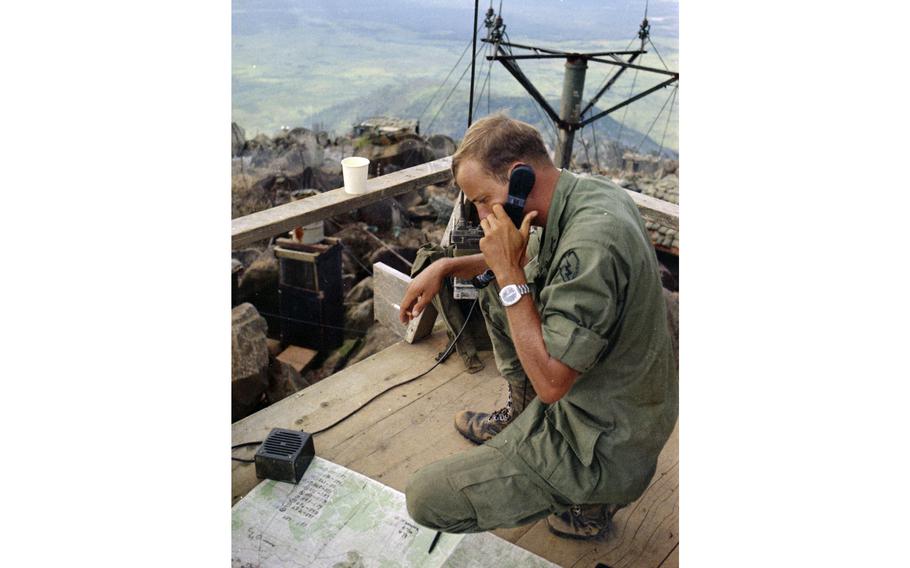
497,141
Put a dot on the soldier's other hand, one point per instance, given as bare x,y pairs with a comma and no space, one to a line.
420,292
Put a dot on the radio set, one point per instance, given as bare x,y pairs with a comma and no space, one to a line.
465,236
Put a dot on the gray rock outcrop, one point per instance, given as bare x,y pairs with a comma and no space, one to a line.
249,360
284,381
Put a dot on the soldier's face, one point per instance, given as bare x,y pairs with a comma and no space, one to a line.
480,188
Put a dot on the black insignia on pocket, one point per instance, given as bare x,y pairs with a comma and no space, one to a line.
568,266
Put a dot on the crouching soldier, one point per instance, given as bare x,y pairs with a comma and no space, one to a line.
578,324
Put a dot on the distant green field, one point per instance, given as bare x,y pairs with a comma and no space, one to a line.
293,76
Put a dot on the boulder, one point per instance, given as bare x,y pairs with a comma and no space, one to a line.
338,358
360,292
377,339
261,275
284,381
356,241
667,279
411,237
442,206
441,145
381,214
672,300
409,199
249,360
238,139
260,149
359,316
388,258
246,256
421,213
259,286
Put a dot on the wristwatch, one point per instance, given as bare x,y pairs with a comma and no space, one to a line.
509,295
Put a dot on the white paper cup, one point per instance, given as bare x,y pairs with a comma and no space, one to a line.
354,170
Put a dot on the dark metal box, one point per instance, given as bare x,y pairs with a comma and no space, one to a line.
284,455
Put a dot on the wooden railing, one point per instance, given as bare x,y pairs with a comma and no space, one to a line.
270,222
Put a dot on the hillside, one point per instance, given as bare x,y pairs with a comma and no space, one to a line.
407,101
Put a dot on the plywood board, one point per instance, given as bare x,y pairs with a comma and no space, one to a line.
389,286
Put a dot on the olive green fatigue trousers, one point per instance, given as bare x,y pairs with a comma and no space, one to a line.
476,491
481,489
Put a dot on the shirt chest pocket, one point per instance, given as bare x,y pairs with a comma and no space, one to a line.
534,278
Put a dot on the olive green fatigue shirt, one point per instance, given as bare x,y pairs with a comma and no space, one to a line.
596,284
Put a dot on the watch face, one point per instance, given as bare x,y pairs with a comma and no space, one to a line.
509,295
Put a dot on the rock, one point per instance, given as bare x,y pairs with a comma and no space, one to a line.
443,206
332,167
359,316
386,257
261,275
249,360
672,300
411,238
409,199
668,182
238,139
432,231
441,145
246,257
259,286
380,214
337,359
236,270
421,213
284,381
260,149
667,280
356,241
363,290
377,338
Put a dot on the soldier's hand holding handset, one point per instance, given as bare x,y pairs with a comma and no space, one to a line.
502,245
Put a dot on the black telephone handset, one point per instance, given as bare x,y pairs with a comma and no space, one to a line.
521,181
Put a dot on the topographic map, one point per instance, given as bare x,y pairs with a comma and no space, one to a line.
338,518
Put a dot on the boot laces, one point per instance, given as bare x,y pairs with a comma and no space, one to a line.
504,414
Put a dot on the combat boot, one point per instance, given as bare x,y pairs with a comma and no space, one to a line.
584,522
481,426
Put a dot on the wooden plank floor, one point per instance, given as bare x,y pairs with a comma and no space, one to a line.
412,425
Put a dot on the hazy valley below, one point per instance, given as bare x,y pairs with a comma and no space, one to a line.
319,64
